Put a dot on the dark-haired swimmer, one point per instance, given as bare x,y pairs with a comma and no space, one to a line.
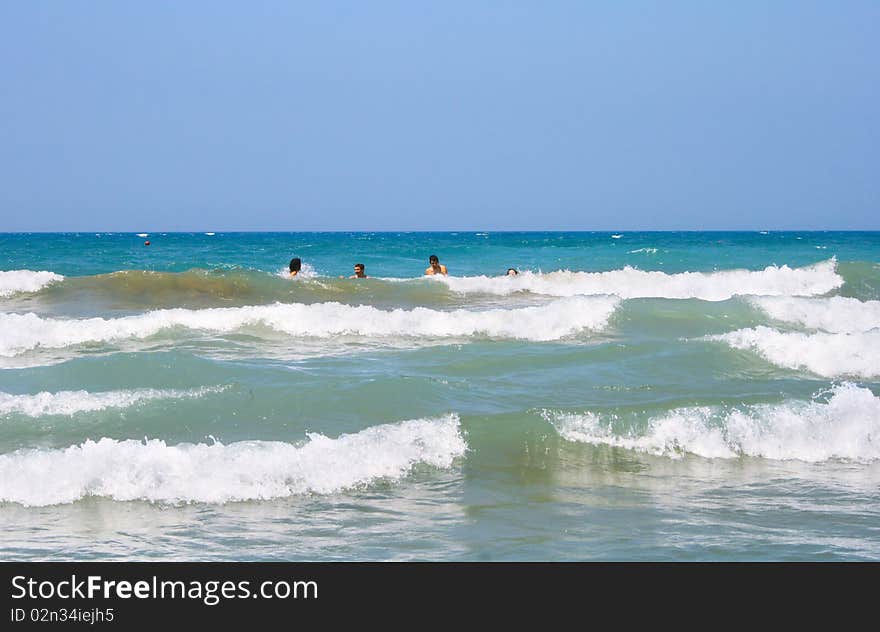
436,267
512,272
295,266
358,272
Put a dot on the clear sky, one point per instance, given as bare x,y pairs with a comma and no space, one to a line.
614,115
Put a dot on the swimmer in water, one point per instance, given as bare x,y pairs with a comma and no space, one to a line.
436,267
295,266
512,272
358,272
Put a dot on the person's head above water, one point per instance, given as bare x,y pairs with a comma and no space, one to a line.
512,272
295,266
436,267
359,271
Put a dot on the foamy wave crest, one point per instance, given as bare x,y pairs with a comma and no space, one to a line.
846,426
72,402
836,314
826,354
22,332
630,282
14,281
217,473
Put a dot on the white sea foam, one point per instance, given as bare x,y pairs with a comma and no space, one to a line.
143,234
837,314
826,354
216,473
72,402
14,281
307,271
22,332
648,251
846,426
630,282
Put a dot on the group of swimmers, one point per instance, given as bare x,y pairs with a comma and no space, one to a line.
435,267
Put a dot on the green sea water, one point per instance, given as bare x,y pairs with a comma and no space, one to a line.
627,396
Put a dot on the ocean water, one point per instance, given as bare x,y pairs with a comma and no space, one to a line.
628,396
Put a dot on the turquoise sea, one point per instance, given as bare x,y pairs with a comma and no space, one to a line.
628,396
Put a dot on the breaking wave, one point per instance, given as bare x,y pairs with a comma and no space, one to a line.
216,473
630,282
72,402
15,281
22,332
846,426
825,354
836,314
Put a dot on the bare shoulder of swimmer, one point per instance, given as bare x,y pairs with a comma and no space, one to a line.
429,270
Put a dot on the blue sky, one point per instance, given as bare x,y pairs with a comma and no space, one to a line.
444,115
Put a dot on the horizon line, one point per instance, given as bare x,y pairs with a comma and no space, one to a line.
456,230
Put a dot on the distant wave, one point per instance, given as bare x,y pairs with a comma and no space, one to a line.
72,402
216,473
846,426
129,288
648,251
14,281
197,287
629,282
22,332
825,354
134,289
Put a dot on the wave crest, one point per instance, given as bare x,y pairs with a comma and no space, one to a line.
217,473
630,282
23,332
847,426
826,354
15,281
836,314
72,402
